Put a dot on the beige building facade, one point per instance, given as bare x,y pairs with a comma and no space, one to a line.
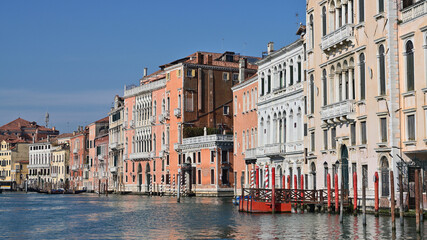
353,119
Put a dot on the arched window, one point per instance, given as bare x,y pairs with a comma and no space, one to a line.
243,141
361,10
269,82
154,143
248,105
381,57
384,177
311,31
323,21
235,105
409,66
291,73
311,94
325,88
362,76
243,102
262,85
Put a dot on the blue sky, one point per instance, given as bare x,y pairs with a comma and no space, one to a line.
71,57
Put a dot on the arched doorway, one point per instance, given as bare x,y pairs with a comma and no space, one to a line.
139,177
344,166
147,177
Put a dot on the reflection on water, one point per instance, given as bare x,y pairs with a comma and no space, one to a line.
89,216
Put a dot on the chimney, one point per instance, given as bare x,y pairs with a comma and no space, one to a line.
242,66
53,128
270,47
208,59
145,72
199,58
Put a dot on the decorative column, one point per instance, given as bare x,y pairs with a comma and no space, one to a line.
337,18
350,11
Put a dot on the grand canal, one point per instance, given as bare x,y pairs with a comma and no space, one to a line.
89,216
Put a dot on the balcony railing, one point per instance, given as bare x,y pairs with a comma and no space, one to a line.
101,157
207,138
139,155
164,116
165,147
74,168
337,37
337,112
250,153
153,120
149,87
75,150
113,169
54,175
276,149
114,145
416,10
177,112
282,92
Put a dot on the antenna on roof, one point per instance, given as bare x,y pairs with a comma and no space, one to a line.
298,22
47,119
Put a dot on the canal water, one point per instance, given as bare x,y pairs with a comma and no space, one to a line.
89,216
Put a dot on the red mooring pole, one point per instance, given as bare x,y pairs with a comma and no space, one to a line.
302,192
329,191
295,182
355,192
283,181
336,193
273,189
257,177
376,194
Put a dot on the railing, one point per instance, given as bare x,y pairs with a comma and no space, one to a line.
75,150
165,147
101,157
153,120
139,155
114,145
416,10
207,138
295,195
337,110
336,37
113,169
74,168
177,112
250,153
133,90
54,175
275,149
282,92
164,116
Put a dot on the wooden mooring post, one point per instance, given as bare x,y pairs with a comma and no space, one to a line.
329,192
364,198
273,189
342,200
376,182
417,199
355,193
336,193
178,195
401,204
393,220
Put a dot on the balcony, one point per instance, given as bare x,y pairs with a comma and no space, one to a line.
337,112
139,156
101,157
133,90
177,146
275,150
164,116
125,124
75,150
280,93
337,37
177,112
416,10
54,175
207,138
113,145
113,169
165,147
74,168
250,154
153,120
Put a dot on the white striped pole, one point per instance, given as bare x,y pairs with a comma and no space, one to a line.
252,178
173,184
266,176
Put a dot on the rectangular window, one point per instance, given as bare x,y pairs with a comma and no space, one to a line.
212,176
199,176
199,157
235,76
225,76
325,139
361,10
154,166
189,102
363,132
167,160
179,159
353,133
212,156
333,136
325,177
380,6
194,157
411,127
224,156
312,141
226,110
383,127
